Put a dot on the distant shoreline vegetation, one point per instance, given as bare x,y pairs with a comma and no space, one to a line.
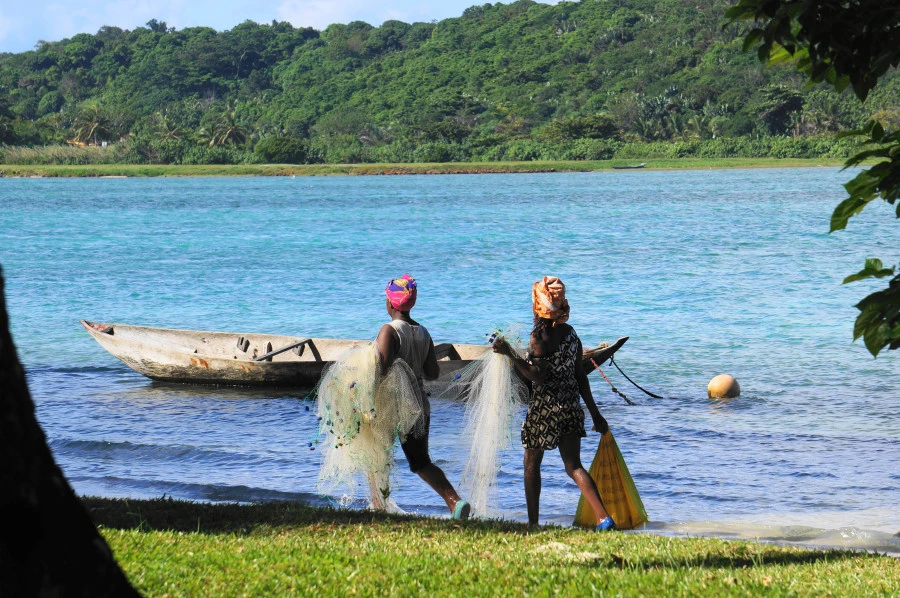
537,166
589,80
513,151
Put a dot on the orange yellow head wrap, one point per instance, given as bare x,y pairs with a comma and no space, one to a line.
548,297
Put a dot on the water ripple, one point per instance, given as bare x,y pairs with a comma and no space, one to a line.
644,255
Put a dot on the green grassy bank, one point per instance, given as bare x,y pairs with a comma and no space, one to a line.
142,170
173,548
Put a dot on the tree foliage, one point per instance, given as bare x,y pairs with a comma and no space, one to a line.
502,81
851,43
281,150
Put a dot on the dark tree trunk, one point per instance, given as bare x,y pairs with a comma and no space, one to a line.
48,543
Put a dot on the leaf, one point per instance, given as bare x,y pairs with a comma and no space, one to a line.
842,83
879,318
846,210
875,339
873,269
740,11
863,156
865,131
780,55
752,38
867,181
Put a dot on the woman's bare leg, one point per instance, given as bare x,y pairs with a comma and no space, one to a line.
570,451
434,476
376,492
416,451
533,458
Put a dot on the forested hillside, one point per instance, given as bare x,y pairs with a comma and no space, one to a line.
577,80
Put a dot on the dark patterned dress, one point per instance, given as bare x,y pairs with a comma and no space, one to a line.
555,407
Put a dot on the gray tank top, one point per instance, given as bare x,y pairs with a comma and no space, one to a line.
414,345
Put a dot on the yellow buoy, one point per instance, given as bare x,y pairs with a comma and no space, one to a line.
723,386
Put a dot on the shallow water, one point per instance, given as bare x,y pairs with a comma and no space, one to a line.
708,272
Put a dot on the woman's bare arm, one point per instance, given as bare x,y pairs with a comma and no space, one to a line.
533,372
430,367
584,388
388,344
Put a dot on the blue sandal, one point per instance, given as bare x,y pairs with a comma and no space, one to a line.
461,510
607,525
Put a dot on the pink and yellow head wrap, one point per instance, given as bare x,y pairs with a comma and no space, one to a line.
401,292
548,297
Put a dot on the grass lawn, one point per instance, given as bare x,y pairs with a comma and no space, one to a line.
139,170
176,548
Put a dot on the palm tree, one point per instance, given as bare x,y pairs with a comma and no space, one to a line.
698,127
92,125
226,130
717,126
208,135
231,132
165,128
674,123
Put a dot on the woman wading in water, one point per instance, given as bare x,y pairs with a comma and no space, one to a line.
555,417
408,340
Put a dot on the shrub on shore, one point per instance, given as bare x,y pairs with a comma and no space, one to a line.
292,151
282,150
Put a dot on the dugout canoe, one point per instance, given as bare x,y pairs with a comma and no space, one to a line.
250,359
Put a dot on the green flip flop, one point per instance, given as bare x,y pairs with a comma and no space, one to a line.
461,510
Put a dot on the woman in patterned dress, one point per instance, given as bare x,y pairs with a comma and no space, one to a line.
555,417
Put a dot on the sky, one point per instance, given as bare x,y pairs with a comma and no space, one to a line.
23,24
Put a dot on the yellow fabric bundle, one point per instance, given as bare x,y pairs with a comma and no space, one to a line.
617,490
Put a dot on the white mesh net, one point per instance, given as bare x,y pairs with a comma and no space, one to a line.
361,415
492,391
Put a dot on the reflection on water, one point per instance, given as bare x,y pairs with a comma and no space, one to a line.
872,529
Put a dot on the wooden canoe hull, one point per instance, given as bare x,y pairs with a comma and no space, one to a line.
228,358
203,357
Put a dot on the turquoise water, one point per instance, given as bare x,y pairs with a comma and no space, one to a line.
708,272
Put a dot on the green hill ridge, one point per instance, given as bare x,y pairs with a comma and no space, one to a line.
594,79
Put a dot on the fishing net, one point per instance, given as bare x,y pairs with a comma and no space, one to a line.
361,414
492,391
617,490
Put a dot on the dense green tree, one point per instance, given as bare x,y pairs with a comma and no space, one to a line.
79,51
6,122
846,44
50,102
503,81
282,150
387,38
590,126
158,26
778,108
